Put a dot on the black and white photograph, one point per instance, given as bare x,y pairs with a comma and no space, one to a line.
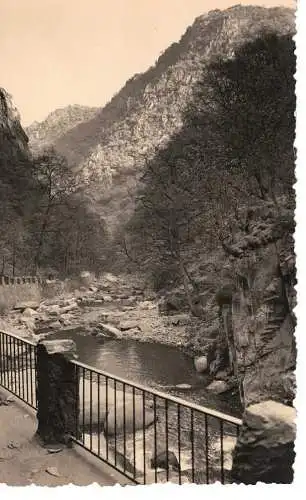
147,253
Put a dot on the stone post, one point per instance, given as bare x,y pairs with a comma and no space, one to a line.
265,448
57,391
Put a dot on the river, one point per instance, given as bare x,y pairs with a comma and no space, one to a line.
153,365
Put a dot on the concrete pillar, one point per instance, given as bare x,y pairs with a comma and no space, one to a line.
265,447
57,391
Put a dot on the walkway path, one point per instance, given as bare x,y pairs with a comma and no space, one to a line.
23,461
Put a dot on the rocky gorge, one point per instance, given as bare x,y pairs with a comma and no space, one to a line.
170,218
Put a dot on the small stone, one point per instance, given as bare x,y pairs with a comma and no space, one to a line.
107,298
110,330
180,319
13,445
34,471
54,449
183,386
53,471
56,325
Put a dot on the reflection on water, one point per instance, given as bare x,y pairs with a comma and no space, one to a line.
153,365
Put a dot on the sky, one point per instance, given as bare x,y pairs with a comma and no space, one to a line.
60,52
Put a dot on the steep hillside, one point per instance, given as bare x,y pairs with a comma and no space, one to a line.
58,123
191,166
45,225
111,148
15,181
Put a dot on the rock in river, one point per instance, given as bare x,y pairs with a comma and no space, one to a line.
105,415
218,387
201,364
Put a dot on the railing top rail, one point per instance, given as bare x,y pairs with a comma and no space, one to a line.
202,409
22,339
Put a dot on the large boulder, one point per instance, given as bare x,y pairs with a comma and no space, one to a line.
30,313
22,306
218,387
265,446
201,364
134,417
105,416
86,278
165,460
128,325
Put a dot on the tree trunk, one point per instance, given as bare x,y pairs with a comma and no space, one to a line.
41,240
186,282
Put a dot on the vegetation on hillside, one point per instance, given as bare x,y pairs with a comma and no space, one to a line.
45,225
234,151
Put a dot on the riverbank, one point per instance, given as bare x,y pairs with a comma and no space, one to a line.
110,308
117,308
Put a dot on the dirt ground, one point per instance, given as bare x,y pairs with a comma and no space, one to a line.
23,461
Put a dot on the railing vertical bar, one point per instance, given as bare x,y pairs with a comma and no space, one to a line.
167,438
192,444
90,409
134,433
155,438
1,360
99,426
22,371
31,375
124,429
115,409
83,405
106,404
10,371
77,408
206,449
18,368
144,435
179,440
27,371
222,451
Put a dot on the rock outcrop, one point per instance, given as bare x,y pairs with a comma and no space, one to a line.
256,319
112,147
265,448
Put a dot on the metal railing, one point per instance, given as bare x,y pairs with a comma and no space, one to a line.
18,367
147,435
150,436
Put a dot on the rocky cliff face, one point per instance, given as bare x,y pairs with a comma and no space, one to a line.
245,289
57,123
112,147
257,315
14,140
14,177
